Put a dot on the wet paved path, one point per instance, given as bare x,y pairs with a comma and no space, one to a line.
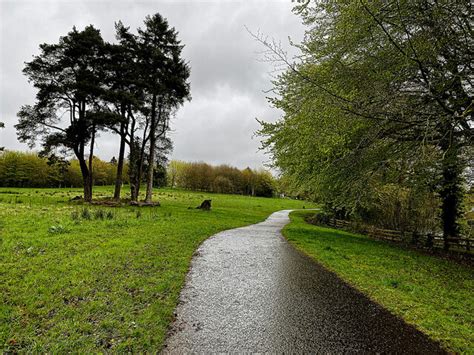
250,291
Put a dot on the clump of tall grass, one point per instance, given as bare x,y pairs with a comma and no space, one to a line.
99,214
86,214
59,229
75,216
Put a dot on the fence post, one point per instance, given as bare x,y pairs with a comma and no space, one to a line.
429,240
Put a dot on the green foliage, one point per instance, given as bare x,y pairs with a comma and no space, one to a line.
378,98
395,207
109,215
106,286
58,229
99,214
86,214
159,177
86,85
433,294
2,125
69,78
20,169
201,176
75,216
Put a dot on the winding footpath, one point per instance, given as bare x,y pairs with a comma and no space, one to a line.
248,290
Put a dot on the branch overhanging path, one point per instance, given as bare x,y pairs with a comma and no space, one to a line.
249,290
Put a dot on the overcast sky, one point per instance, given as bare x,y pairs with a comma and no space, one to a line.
228,77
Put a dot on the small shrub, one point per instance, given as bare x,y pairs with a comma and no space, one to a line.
138,214
75,216
319,218
99,214
393,283
86,214
59,229
109,215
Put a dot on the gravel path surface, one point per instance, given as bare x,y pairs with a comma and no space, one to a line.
248,290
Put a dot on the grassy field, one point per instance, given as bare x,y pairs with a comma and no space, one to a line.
91,279
433,294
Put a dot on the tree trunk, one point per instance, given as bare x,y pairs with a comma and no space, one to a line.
119,178
87,189
85,174
451,190
135,175
151,155
79,152
133,163
91,159
139,175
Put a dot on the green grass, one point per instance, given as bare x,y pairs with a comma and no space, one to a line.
433,294
93,279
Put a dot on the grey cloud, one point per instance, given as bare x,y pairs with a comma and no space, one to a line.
227,77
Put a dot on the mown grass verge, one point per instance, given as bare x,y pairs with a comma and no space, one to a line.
433,294
87,279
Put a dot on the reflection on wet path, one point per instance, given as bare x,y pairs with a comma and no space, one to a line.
250,291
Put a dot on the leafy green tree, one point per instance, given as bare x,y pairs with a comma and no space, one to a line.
20,169
160,178
382,94
230,180
249,182
221,179
58,169
264,183
222,185
174,173
68,76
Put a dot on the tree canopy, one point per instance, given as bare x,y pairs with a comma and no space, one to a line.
85,85
382,94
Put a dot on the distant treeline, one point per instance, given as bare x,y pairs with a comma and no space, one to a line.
21,169
222,179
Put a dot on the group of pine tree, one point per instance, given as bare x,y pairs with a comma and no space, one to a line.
378,111
87,85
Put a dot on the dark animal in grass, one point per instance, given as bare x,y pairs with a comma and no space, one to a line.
205,205
76,198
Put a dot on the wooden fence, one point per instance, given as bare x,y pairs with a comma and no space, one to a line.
407,237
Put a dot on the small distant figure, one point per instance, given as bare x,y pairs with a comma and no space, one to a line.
205,205
76,198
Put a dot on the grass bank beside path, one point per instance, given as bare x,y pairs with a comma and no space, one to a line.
433,294
88,279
